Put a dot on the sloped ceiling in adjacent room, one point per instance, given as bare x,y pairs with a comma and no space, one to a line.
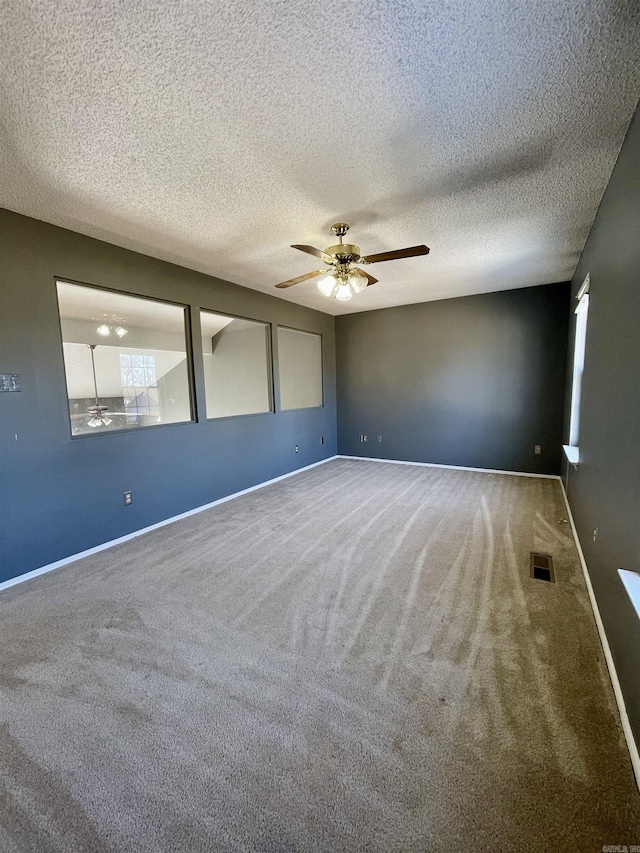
216,134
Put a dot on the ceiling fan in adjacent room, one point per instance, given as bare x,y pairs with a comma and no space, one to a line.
345,279
98,414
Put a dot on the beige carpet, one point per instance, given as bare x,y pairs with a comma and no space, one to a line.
353,659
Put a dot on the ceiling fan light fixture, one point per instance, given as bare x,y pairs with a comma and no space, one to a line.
98,416
120,332
96,422
343,292
327,285
357,281
103,331
98,413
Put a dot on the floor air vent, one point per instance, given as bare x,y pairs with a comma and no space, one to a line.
542,567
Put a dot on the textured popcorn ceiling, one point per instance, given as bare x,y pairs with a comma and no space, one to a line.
215,134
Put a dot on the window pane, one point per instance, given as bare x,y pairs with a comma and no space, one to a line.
236,365
300,361
578,368
137,348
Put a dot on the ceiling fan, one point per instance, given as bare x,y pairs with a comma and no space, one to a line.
345,279
99,415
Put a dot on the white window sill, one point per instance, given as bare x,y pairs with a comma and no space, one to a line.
631,581
572,453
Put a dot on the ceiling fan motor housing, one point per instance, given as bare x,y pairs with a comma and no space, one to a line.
345,253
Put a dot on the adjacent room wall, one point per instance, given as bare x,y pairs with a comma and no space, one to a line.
301,356
236,372
604,492
59,495
476,381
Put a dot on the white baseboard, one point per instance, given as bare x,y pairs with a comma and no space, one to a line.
624,718
95,550
452,467
622,709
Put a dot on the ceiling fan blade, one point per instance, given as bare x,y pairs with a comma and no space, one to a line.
411,252
310,250
369,277
301,278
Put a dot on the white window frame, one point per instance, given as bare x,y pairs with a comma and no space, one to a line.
572,450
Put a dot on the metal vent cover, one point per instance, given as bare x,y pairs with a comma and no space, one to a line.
541,567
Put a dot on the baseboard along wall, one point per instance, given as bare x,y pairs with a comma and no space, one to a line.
615,683
103,547
624,718
613,675
452,467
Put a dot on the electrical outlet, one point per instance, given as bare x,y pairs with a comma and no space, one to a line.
379,439
537,449
364,438
297,449
595,533
128,498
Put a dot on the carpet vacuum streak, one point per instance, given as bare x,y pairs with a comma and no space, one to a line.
352,659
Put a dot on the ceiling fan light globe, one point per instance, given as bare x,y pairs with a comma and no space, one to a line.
120,332
357,281
327,285
103,331
343,292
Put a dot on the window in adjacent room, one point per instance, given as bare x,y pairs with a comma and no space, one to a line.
582,312
125,360
300,369
139,385
237,370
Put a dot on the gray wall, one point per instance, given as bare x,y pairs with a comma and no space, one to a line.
604,491
475,381
60,495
